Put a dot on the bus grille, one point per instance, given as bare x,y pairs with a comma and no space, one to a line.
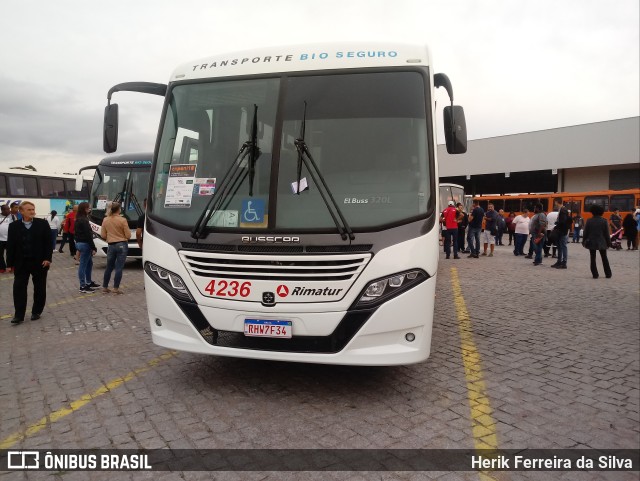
260,267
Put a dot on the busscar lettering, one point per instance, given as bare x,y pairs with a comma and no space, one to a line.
271,239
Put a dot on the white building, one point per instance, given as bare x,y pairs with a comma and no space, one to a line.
597,156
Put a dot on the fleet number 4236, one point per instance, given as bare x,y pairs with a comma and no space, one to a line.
228,288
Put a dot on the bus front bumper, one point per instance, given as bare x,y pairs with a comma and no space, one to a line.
396,333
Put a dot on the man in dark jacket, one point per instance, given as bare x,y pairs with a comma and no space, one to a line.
463,222
597,238
563,224
29,252
475,226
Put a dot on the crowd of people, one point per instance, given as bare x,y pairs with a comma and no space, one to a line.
29,243
548,233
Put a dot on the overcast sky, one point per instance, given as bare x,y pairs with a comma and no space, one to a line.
516,66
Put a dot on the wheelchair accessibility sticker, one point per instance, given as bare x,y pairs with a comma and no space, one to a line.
252,211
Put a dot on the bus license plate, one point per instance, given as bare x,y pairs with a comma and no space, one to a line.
267,328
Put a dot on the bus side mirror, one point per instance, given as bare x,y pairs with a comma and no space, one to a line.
455,129
110,129
79,180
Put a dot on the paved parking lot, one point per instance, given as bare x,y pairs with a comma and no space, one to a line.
522,357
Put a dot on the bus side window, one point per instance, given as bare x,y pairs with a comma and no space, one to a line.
16,186
70,188
575,206
601,200
512,205
531,204
23,186
3,185
624,202
498,204
51,187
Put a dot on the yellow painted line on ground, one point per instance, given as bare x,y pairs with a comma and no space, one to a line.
82,401
482,423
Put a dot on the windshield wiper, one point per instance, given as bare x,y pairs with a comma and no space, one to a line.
136,204
304,155
249,148
253,153
302,132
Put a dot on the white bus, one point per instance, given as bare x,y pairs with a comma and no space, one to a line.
452,192
125,179
48,192
293,206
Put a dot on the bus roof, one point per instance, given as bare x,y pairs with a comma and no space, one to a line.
557,194
295,58
141,160
33,173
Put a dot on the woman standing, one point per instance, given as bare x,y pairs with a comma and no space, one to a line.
54,224
511,227
115,230
615,223
597,238
630,231
85,248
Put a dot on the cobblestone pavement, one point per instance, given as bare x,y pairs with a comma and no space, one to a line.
551,360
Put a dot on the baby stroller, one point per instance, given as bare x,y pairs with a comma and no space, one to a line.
615,239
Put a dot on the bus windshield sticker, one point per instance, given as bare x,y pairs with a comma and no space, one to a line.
252,211
224,218
303,185
180,185
205,186
102,202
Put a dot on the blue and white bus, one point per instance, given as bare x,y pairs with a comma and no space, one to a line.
48,192
293,205
124,179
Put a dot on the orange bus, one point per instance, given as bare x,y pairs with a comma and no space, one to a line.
625,200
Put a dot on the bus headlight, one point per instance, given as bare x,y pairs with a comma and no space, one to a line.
381,290
170,282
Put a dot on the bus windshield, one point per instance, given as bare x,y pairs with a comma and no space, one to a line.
451,192
367,133
128,186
